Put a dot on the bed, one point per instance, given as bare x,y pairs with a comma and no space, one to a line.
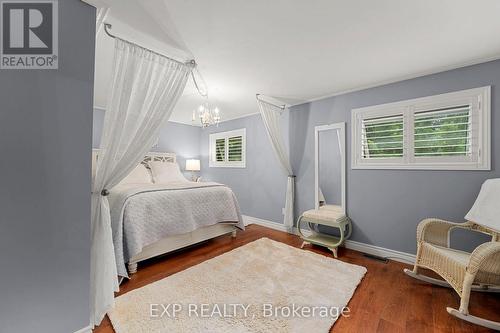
151,219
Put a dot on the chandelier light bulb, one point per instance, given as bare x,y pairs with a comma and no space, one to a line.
208,115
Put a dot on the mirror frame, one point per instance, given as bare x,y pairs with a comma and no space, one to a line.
340,127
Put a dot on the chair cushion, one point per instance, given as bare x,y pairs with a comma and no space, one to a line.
325,213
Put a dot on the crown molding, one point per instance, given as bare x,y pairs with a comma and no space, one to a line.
401,78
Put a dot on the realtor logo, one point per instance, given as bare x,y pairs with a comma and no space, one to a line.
29,34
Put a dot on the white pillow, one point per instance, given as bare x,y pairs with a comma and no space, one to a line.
140,175
165,172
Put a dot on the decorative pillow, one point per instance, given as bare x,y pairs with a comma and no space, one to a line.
165,172
140,175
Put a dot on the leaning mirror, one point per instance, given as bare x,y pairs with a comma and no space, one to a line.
328,222
330,167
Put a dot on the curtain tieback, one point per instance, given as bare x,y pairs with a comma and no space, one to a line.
104,193
292,176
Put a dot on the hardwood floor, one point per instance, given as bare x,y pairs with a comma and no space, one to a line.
385,301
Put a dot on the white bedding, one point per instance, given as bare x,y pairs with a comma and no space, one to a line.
142,214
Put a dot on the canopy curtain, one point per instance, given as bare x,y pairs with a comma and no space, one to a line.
101,15
271,117
144,89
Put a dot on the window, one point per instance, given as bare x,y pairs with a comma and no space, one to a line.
447,132
227,149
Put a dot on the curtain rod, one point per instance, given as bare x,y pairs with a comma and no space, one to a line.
282,107
108,26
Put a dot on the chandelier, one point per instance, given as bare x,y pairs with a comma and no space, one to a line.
208,115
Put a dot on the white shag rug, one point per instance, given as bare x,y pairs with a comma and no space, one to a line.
263,286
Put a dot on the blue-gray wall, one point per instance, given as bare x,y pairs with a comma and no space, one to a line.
45,149
184,140
385,205
261,186
192,142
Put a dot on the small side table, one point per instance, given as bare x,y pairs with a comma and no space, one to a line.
329,215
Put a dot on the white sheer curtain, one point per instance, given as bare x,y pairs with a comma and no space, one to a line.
271,117
144,89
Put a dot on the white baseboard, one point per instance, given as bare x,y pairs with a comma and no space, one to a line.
247,220
403,257
87,329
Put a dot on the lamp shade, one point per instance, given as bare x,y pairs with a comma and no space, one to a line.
486,209
192,165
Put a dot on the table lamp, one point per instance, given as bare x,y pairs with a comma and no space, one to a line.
193,166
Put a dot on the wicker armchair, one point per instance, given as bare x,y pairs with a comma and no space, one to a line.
479,270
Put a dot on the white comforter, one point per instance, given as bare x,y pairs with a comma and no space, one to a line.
142,214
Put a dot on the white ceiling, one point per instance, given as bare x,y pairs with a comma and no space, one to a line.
299,50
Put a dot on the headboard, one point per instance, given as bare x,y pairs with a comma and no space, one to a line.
160,157
150,157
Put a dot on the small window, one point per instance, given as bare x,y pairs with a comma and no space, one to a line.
447,132
227,149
